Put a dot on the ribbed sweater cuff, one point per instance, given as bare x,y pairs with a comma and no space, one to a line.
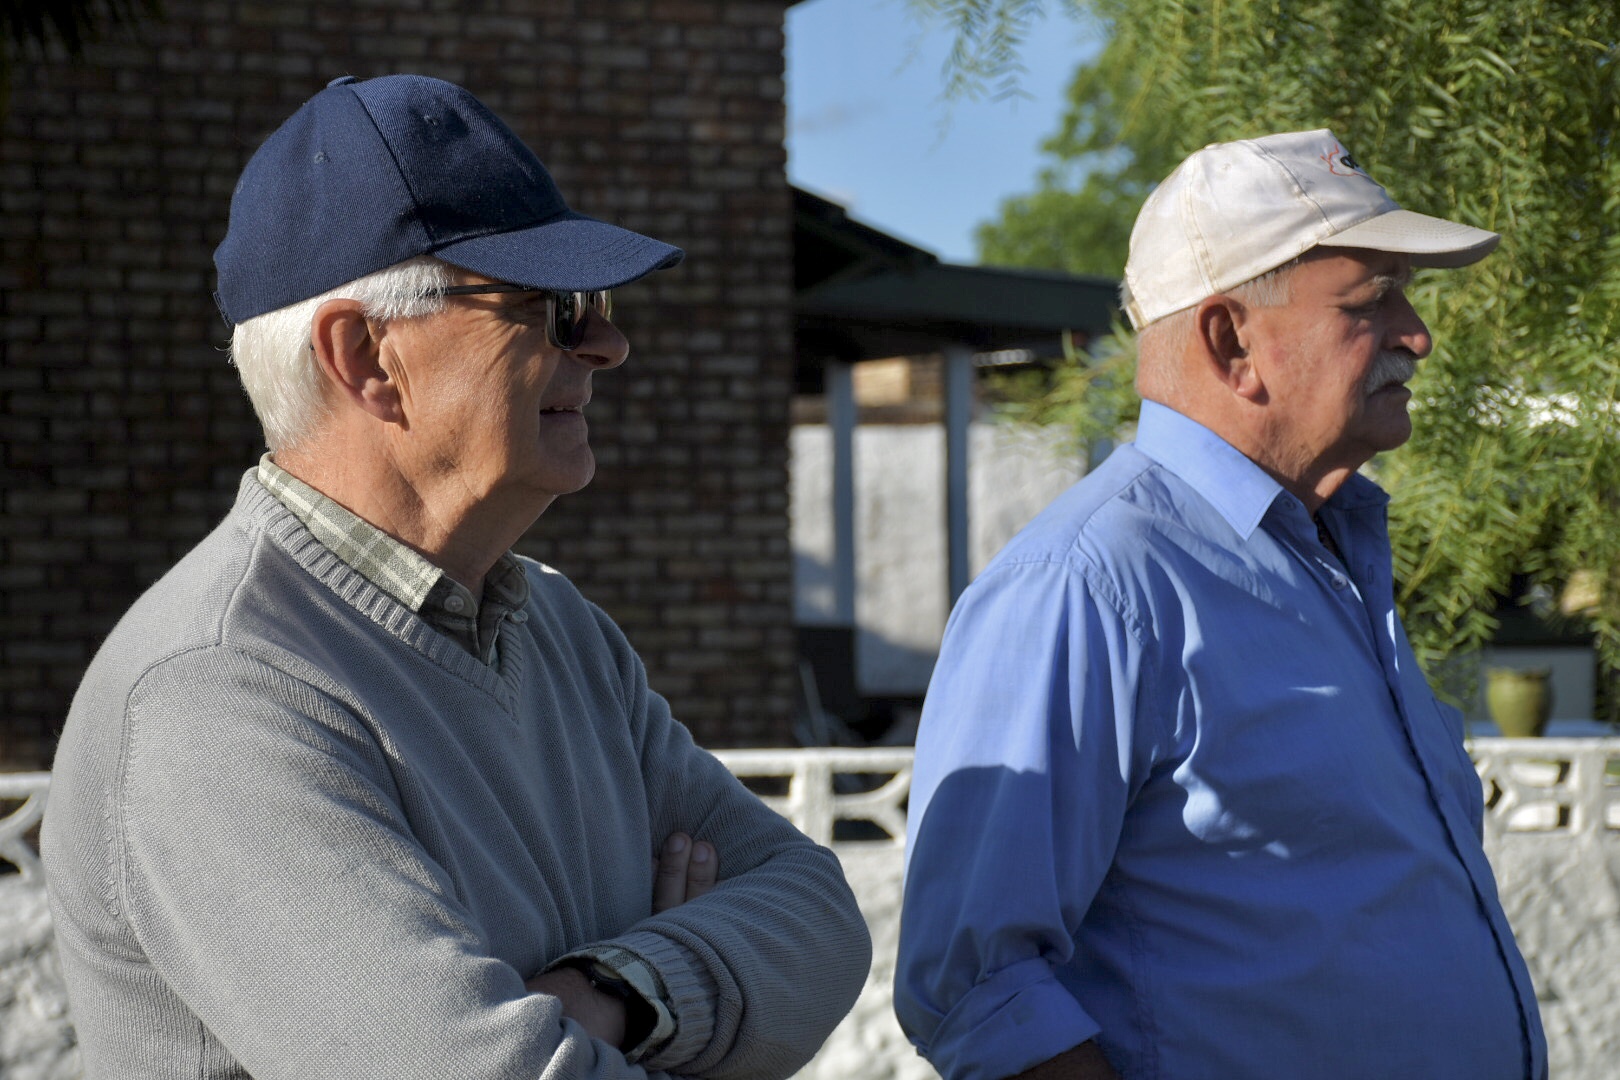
689,992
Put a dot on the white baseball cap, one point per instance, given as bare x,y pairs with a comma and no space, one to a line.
1233,211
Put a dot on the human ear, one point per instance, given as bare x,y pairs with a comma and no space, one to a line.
349,351
1223,330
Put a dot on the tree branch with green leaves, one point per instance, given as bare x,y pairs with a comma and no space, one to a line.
1505,116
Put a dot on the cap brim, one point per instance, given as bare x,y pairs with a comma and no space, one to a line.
572,253
1430,241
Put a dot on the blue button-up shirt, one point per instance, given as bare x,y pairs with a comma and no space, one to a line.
1182,788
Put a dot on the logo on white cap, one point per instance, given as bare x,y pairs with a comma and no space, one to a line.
1340,163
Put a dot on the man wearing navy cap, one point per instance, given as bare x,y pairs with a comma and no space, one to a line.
354,791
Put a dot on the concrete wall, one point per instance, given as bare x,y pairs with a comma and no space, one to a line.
1562,895
869,1044
901,600
36,1033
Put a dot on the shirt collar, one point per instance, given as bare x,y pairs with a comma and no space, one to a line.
388,564
442,601
1239,490
476,623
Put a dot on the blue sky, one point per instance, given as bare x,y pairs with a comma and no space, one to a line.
867,127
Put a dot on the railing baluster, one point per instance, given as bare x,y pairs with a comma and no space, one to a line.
813,803
32,788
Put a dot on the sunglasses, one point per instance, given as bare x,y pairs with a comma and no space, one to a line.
566,312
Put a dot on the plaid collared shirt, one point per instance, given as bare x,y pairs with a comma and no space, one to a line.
443,602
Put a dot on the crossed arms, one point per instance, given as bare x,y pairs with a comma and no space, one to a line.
302,889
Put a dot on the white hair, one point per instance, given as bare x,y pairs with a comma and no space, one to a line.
1161,344
273,355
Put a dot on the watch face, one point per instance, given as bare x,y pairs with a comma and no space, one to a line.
607,980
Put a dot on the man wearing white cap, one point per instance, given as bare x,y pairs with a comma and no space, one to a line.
1184,804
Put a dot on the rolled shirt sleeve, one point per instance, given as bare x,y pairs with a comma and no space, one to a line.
1026,760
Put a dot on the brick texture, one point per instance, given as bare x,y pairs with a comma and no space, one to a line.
123,429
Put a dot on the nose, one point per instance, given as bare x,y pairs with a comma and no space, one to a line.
1407,329
605,345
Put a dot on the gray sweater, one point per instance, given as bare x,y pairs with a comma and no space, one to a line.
295,832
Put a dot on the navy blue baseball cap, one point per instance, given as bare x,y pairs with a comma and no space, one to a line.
370,173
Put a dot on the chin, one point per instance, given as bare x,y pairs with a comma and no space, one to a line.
568,481
1387,437
1389,427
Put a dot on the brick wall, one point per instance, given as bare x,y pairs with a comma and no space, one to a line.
123,431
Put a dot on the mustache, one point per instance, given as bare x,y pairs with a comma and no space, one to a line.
1391,367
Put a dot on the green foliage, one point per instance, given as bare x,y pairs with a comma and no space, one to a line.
1502,115
1104,159
988,35
1093,396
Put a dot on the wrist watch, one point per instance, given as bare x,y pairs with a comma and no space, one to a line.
640,1018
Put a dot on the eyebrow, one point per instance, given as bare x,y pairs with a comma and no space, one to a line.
1392,282
1387,283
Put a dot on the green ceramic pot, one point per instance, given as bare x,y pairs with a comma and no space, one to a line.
1519,700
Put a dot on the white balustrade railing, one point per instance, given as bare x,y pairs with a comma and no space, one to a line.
31,789
1568,787
1554,786
829,784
